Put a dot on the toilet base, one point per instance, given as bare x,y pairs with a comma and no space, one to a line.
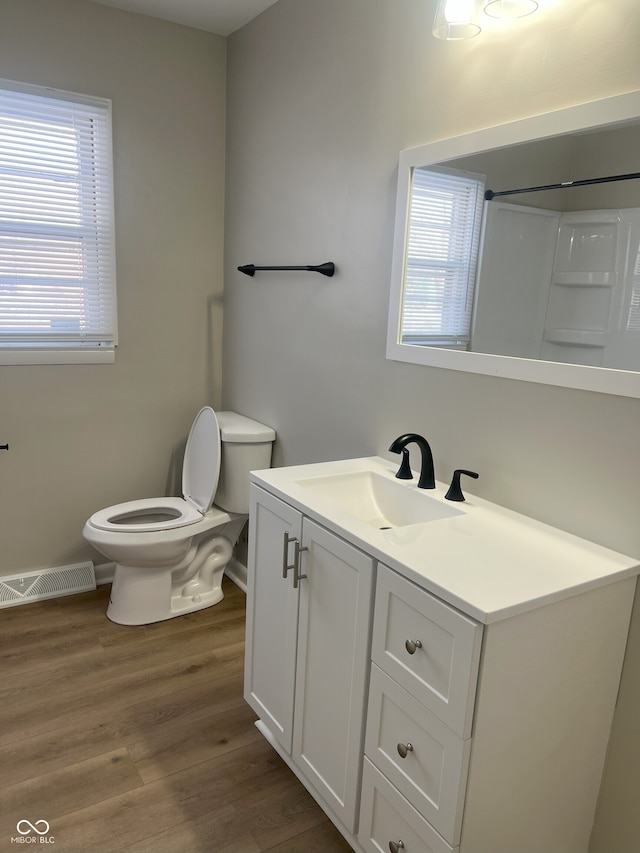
141,595
147,616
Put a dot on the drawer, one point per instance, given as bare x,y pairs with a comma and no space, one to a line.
433,773
429,648
387,819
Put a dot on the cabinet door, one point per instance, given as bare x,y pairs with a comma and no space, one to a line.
333,651
272,614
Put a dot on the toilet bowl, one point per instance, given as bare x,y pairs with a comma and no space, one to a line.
171,553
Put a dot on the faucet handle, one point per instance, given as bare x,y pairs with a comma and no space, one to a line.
404,471
455,492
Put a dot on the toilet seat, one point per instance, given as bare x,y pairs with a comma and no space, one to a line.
200,473
146,515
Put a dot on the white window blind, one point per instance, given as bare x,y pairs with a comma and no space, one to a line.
57,267
633,316
442,252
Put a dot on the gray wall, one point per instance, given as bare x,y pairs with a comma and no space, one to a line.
550,161
322,96
618,150
85,436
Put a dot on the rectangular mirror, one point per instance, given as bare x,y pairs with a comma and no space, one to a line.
544,284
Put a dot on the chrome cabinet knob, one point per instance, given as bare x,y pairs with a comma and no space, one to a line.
404,748
395,846
412,645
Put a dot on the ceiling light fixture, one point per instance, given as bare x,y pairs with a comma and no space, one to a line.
462,19
456,19
510,9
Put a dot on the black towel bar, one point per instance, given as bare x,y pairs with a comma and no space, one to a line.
324,269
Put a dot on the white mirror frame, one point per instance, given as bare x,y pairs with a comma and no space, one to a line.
618,109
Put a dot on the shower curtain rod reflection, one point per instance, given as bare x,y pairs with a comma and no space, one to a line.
490,194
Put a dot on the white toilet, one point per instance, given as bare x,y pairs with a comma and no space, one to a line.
171,553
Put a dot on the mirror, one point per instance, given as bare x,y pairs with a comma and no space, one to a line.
562,305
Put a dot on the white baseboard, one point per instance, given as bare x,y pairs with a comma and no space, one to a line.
237,573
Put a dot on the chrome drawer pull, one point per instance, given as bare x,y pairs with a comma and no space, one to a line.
412,645
285,553
404,748
297,574
395,846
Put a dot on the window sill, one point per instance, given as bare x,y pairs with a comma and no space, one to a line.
36,355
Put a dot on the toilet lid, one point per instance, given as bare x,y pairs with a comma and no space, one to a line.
201,466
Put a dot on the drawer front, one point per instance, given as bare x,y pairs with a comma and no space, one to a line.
433,772
387,819
429,648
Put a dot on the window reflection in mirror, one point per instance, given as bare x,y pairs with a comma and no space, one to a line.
445,213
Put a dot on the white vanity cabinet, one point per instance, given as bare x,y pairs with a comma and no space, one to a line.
308,647
445,687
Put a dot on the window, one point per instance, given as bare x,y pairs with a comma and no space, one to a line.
442,250
57,258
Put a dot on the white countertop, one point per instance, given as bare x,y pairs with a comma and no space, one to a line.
488,561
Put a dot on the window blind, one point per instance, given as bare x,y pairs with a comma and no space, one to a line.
442,252
633,316
57,270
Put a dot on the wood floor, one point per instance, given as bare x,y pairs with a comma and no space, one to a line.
138,739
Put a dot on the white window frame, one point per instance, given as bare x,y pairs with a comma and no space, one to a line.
442,244
57,242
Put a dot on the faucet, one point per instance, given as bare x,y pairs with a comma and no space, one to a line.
427,475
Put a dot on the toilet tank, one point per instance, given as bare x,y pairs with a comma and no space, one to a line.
245,446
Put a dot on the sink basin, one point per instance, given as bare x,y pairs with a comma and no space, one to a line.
377,500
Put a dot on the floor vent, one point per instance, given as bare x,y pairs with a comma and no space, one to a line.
46,583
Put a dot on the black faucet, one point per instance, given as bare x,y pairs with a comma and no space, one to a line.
427,475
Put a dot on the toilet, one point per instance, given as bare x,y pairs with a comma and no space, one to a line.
171,553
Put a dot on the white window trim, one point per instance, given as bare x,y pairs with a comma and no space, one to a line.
59,355
65,350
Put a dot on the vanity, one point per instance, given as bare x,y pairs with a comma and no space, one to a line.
440,676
